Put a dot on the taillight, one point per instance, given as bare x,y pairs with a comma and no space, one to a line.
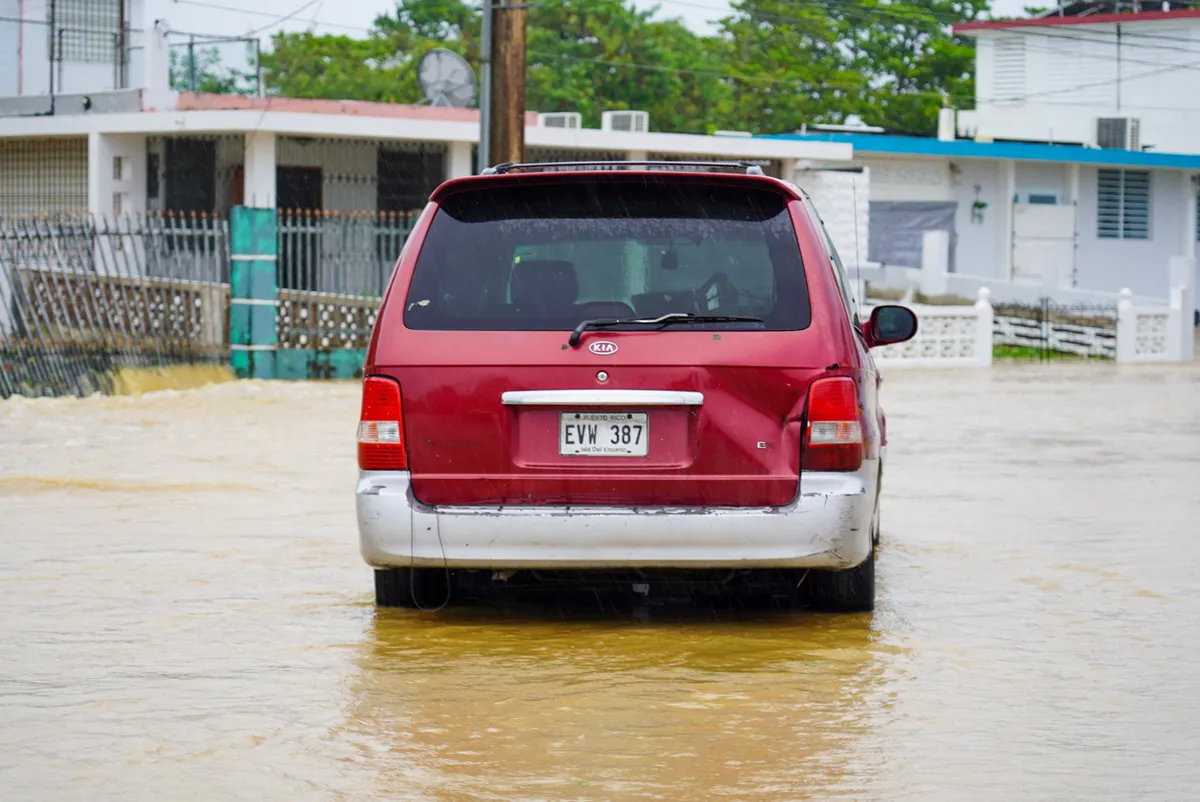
833,440
381,427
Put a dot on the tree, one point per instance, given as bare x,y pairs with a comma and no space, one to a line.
791,64
774,66
912,63
603,55
201,69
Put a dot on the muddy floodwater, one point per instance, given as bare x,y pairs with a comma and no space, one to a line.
184,615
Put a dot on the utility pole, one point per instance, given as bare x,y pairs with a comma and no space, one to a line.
507,102
485,89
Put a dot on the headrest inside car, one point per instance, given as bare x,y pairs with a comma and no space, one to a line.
544,285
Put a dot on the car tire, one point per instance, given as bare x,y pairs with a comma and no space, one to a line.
412,588
848,591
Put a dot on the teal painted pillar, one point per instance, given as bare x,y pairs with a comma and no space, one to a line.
254,243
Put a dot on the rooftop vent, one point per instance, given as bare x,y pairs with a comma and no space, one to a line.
637,122
561,119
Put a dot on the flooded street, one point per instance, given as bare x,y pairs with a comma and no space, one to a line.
184,615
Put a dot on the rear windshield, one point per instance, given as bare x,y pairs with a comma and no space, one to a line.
541,258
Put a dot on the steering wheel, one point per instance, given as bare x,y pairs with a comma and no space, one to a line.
717,296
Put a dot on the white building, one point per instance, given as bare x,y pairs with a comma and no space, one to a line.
1076,175
1024,202
111,136
1103,79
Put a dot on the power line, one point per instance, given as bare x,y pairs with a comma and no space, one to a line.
248,12
282,19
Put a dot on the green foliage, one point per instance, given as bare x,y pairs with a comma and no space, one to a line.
773,66
201,69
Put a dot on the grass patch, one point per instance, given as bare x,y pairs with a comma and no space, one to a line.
1030,353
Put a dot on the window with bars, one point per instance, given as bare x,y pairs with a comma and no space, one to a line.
85,30
1123,204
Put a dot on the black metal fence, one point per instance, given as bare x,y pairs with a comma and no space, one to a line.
81,296
1048,330
340,253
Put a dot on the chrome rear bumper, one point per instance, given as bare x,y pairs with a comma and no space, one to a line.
828,526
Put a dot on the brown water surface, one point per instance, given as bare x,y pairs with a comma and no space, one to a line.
184,615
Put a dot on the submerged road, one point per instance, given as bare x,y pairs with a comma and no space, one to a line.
184,615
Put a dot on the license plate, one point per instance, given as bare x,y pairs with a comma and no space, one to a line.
604,434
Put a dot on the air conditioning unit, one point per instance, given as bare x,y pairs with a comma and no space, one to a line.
637,122
561,119
1119,133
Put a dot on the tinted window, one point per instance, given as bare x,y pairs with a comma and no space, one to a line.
546,257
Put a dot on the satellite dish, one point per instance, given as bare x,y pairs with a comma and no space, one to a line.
446,79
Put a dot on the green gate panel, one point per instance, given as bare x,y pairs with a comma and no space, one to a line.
308,363
254,248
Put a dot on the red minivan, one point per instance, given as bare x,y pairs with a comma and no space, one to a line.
651,376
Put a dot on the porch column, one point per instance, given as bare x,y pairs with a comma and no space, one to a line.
258,189
116,174
458,161
1191,189
1008,190
787,169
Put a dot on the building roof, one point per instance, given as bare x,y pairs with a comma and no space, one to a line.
1019,151
1093,19
191,101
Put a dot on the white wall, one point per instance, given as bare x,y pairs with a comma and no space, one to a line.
108,194
899,179
979,240
1071,78
1042,176
1140,265
74,76
10,39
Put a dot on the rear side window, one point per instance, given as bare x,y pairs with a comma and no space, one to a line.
542,258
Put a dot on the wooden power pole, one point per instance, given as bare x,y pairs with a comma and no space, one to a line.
507,106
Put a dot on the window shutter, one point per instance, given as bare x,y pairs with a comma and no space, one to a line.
1008,82
1108,199
1123,204
1135,207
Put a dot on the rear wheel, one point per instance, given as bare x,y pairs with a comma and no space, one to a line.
414,588
849,591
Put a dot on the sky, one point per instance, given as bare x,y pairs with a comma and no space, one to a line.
238,17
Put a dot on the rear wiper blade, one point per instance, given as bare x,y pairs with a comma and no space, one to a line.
662,322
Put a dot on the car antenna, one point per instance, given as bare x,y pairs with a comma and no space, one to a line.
858,285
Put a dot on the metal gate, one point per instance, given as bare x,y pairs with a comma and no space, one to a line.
83,296
1048,330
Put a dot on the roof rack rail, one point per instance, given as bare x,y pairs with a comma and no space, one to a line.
546,167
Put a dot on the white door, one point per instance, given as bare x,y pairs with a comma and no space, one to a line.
1044,244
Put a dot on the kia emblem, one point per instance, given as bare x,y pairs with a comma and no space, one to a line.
603,347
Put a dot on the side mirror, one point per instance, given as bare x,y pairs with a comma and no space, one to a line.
890,324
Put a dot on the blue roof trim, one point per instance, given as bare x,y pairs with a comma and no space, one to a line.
1020,151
